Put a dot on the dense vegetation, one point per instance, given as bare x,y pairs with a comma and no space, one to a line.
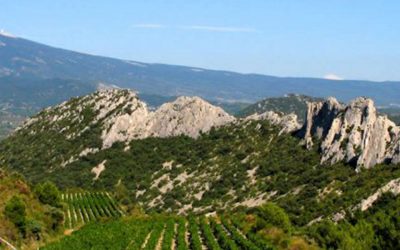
377,228
28,216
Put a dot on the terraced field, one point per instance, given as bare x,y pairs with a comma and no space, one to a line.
84,207
161,233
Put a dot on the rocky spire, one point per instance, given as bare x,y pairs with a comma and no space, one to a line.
355,133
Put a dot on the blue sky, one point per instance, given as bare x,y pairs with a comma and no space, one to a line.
357,39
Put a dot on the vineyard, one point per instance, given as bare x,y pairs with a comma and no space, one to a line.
84,207
162,233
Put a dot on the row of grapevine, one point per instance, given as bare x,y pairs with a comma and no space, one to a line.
195,241
116,234
181,235
209,237
238,237
154,236
161,233
169,235
223,238
85,207
253,239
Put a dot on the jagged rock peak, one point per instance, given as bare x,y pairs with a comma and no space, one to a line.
288,123
189,116
354,133
319,118
185,116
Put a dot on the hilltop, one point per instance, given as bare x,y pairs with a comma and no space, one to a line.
291,103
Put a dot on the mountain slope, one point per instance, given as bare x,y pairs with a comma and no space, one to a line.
291,103
239,163
26,59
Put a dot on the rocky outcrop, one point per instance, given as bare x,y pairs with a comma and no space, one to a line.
392,186
288,123
188,116
185,116
319,118
121,116
354,133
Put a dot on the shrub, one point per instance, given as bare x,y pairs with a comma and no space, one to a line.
57,218
15,211
48,193
274,215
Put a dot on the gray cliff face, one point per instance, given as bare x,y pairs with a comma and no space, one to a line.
355,133
189,116
185,116
319,118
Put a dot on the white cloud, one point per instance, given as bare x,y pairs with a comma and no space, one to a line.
331,76
148,26
218,28
5,33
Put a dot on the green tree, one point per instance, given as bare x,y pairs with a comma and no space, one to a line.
122,194
15,211
34,228
48,193
57,218
274,215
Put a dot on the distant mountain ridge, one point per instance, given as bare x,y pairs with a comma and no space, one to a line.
34,76
290,103
26,59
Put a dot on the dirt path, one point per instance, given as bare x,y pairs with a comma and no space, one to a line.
146,240
160,240
187,234
203,240
7,244
173,245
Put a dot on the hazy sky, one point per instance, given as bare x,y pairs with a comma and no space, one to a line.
350,39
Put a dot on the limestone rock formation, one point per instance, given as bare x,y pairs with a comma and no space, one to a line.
189,116
121,116
185,116
354,133
288,123
392,186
